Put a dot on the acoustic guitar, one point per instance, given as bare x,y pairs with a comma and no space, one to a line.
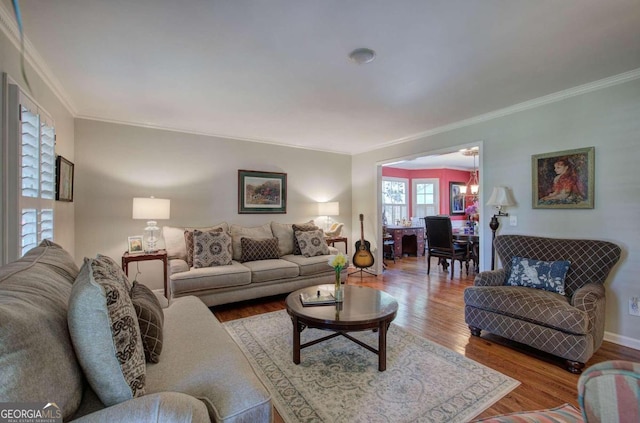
362,257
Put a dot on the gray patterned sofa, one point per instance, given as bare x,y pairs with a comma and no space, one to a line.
569,325
201,374
282,271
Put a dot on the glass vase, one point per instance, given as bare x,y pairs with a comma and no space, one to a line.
338,294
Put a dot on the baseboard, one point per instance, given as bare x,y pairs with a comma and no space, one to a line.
622,340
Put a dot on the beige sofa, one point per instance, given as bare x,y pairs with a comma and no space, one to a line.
241,281
201,375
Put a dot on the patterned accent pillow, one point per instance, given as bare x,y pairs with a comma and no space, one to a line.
259,249
301,227
105,333
312,243
211,249
547,275
188,240
150,320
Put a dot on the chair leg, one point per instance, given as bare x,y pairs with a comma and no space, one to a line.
475,331
453,265
574,367
428,263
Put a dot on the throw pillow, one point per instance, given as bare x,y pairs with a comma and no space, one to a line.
188,240
312,243
301,227
150,320
259,249
547,275
211,249
105,333
237,232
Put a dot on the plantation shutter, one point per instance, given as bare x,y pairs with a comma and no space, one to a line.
37,175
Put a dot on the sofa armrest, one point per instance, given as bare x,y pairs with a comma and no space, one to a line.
610,391
167,407
490,278
178,266
586,297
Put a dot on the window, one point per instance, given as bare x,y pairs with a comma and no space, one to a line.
425,197
394,200
31,175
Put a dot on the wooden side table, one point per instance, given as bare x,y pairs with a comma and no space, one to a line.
332,240
158,255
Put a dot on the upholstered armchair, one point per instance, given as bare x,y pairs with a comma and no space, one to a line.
566,318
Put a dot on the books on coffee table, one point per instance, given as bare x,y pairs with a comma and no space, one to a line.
321,297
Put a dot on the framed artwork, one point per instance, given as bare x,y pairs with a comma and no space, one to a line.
135,244
262,192
456,198
563,179
64,179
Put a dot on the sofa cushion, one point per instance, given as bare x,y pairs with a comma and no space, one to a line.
539,274
237,232
205,278
197,351
105,333
188,242
35,347
312,243
310,265
284,233
174,238
150,320
259,249
310,226
271,270
537,306
211,248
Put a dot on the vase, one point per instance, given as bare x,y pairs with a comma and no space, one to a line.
338,294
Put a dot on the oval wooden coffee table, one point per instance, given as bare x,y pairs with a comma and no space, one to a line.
363,308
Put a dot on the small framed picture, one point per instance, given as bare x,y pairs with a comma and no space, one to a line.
135,244
456,198
64,179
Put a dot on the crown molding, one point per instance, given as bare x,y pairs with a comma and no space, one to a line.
516,108
10,28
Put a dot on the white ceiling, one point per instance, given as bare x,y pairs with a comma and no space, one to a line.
277,71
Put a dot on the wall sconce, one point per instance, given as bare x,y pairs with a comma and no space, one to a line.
330,208
500,197
153,209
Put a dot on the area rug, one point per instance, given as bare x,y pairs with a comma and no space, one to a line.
338,380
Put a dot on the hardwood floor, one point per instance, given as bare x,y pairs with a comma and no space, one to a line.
432,306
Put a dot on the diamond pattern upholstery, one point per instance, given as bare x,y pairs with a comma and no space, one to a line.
569,326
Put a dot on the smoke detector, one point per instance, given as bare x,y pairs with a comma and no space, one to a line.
361,56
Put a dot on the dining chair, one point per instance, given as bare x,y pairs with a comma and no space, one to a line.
440,243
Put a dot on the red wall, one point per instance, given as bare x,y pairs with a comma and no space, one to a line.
444,175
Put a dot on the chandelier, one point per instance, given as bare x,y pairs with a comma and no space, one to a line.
473,186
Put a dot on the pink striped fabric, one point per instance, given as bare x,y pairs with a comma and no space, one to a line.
566,413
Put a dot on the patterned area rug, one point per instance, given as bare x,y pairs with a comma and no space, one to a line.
338,380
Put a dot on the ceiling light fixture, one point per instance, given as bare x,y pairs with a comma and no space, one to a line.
362,56
473,185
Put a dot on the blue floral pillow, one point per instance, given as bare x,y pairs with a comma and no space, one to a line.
547,275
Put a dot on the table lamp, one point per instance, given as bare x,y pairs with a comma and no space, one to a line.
152,209
330,208
500,197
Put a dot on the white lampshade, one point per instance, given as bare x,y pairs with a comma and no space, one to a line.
331,208
151,208
501,197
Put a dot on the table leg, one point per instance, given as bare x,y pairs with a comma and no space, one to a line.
296,340
382,346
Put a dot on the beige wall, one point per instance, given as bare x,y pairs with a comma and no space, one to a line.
609,120
197,173
41,94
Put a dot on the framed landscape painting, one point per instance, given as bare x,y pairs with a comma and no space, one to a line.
262,192
563,179
64,179
456,198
